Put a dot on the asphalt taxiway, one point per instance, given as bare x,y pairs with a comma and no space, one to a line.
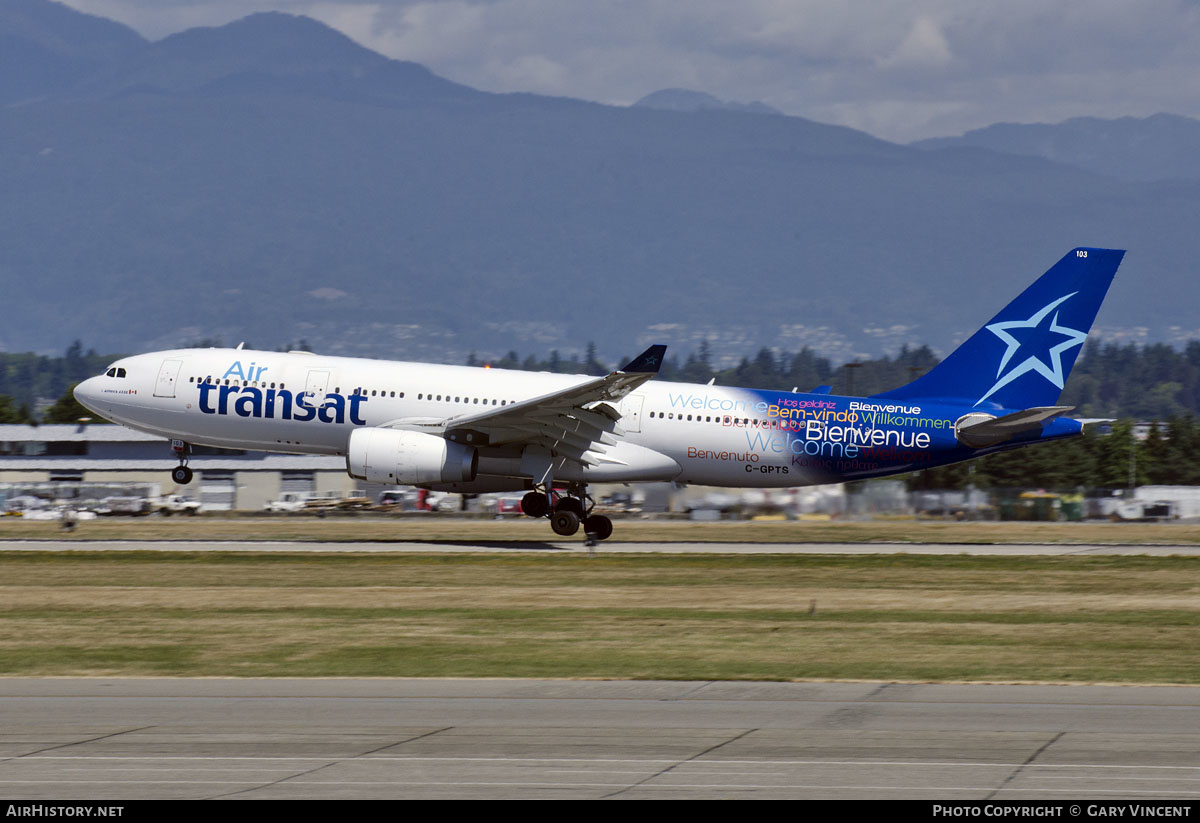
124,739
607,547
117,739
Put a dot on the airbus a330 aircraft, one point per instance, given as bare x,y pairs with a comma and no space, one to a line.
461,429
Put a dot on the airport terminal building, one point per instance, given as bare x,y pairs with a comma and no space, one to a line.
98,460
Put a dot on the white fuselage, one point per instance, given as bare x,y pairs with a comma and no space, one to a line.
304,403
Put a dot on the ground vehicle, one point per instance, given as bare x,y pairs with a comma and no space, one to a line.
176,504
288,502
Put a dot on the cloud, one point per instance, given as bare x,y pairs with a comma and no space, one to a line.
925,45
327,293
902,70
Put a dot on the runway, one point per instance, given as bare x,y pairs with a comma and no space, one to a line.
299,739
616,547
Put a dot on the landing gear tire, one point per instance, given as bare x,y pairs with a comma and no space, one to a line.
181,475
564,522
534,505
598,527
570,504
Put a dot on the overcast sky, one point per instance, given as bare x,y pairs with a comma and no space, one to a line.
899,69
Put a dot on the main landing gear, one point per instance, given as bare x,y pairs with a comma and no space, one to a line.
181,474
568,514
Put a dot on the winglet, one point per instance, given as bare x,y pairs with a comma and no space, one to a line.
648,362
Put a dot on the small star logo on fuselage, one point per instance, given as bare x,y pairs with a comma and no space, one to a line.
1035,336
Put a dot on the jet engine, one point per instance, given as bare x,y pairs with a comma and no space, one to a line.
407,457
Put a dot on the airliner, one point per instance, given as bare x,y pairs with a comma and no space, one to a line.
477,430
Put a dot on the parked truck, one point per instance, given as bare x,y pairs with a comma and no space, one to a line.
176,504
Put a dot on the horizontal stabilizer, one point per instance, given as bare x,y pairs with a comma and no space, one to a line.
978,430
1090,423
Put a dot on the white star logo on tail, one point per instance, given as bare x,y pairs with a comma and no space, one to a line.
1053,371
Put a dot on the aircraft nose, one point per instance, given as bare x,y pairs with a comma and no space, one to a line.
88,392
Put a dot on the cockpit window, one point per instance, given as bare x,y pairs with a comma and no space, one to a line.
115,372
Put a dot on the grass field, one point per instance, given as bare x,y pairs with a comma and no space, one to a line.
440,527
766,617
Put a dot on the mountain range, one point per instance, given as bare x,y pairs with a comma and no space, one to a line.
271,180
1159,147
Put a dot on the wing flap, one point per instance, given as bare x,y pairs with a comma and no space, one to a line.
578,423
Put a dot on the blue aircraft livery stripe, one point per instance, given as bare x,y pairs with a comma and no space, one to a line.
829,438
1022,357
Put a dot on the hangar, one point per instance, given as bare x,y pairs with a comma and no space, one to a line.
97,460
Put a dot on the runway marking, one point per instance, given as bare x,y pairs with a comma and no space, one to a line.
1029,760
684,762
1122,778
342,760
37,753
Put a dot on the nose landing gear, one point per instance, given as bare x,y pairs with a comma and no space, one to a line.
181,474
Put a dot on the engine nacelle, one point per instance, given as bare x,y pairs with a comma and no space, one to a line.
408,458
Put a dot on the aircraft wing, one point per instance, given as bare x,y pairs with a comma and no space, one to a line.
568,423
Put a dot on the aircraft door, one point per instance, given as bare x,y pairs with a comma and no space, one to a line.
317,385
168,374
631,412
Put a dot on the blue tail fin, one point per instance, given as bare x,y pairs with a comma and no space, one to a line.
1021,358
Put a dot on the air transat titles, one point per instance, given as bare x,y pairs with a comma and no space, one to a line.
280,404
